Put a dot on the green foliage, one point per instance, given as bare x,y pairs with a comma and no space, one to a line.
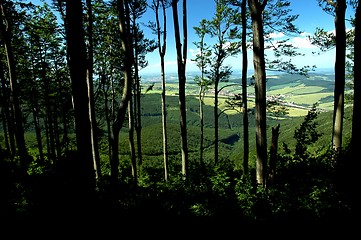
307,133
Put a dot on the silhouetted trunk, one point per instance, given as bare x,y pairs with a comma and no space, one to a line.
257,8
77,66
162,49
38,132
215,115
131,140
138,117
89,76
49,115
7,117
123,15
5,28
244,87
181,61
201,122
340,64
354,164
63,111
273,152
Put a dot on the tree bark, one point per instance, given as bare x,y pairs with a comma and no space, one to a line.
162,49
5,29
123,15
77,66
181,61
131,140
354,164
89,76
244,87
339,89
7,120
273,152
260,88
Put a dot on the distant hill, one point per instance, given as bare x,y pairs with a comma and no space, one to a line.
298,92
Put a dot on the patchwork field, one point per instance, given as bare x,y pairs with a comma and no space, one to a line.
297,93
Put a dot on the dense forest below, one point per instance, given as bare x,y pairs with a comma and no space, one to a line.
90,147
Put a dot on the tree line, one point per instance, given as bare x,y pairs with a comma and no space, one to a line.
72,66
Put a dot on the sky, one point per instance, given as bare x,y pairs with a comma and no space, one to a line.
310,17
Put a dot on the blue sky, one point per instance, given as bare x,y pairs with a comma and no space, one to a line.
310,17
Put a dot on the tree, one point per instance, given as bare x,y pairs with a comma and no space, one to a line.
90,80
142,46
127,48
243,5
339,8
202,61
256,8
161,32
181,61
353,165
77,65
269,17
244,87
5,29
223,27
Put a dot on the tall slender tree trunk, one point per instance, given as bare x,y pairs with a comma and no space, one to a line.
123,15
201,121
215,114
257,8
133,158
244,87
339,89
138,123
89,76
38,132
49,114
354,164
181,60
162,49
77,66
7,119
5,29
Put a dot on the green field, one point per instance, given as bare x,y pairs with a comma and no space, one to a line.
298,90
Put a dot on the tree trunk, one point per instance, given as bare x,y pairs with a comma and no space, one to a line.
123,15
137,107
7,120
354,165
201,120
244,87
5,29
162,49
131,140
340,64
138,123
215,113
49,114
260,88
77,67
89,76
38,132
181,61
273,152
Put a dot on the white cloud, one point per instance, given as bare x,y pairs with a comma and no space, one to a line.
302,42
276,35
193,52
